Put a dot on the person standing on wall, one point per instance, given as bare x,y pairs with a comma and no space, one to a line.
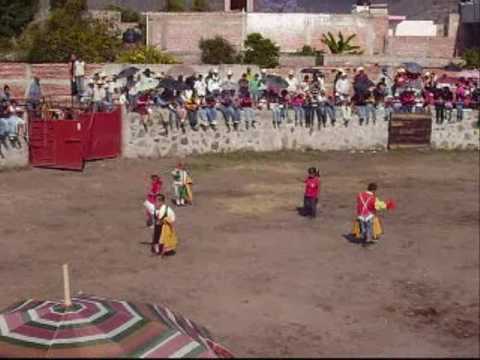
79,75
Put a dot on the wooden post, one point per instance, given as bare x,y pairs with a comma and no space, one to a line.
66,286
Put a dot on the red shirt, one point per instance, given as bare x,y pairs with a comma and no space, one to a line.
366,204
155,189
312,187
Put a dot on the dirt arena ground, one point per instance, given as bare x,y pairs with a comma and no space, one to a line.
265,281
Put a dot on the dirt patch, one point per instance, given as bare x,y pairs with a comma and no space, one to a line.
263,280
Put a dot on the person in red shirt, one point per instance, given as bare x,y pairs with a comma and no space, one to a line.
154,190
312,189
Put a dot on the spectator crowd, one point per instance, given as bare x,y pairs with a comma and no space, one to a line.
200,100
312,99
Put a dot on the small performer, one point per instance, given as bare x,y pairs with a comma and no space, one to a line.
154,190
182,184
164,241
367,226
312,189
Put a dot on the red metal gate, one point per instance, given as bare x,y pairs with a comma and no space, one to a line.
102,135
67,144
56,144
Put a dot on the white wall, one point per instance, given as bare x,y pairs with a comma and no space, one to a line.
416,28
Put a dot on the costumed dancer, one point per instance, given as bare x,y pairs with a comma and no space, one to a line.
367,226
182,184
164,241
312,190
154,190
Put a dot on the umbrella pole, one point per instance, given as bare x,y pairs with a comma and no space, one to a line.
66,286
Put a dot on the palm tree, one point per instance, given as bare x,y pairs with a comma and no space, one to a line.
342,45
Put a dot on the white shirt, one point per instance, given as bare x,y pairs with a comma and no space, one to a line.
160,213
79,68
343,86
213,84
292,84
98,93
200,87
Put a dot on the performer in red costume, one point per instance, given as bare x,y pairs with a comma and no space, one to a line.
367,226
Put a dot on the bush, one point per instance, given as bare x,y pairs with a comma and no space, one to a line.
200,5
261,51
310,51
145,55
217,51
128,15
472,58
69,31
175,5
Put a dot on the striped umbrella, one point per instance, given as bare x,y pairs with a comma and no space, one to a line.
97,327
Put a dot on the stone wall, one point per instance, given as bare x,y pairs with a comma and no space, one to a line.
13,157
459,135
153,143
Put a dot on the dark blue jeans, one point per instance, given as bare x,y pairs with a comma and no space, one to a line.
310,206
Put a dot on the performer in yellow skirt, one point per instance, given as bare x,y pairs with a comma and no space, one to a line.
367,227
164,240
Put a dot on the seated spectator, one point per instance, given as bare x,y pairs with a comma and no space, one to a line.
297,103
227,109
192,105
254,86
243,86
247,111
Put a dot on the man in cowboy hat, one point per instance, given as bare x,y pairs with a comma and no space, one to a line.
99,95
213,83
292,82
229,85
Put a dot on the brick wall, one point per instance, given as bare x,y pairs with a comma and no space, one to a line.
181,32
420,46
54,78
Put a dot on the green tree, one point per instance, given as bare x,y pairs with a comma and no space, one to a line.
341,45
69,30
217,51
261,51
15,15
472,58
176,5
